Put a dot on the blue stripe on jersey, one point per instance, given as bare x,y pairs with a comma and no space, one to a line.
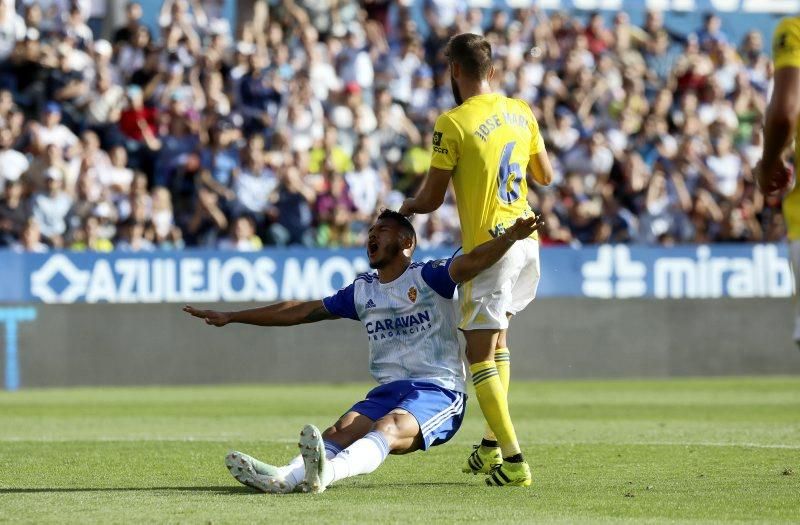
366,277
342,303
437,275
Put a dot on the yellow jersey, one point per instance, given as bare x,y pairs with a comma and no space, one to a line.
486,142
786,53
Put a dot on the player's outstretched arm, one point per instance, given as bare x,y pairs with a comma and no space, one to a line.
468,266
430,195
286,313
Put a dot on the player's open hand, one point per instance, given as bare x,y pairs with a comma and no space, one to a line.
773,181
524,228
209,316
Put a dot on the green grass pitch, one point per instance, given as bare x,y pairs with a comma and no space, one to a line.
697,450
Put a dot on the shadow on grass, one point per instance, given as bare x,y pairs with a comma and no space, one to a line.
214,489
411,484
45,490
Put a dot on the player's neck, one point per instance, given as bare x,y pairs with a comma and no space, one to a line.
393,270
474,89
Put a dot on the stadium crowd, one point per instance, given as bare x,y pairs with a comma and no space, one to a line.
308,122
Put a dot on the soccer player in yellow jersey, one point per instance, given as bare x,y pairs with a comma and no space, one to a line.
486,145
780,128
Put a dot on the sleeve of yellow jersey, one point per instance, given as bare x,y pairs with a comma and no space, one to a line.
447,139
786,43
537,142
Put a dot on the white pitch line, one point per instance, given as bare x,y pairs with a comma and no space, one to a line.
231,437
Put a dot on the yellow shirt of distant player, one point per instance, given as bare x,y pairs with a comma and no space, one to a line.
487,142
786,53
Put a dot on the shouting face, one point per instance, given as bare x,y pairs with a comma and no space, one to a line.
384,243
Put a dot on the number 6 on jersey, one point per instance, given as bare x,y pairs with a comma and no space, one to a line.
508,176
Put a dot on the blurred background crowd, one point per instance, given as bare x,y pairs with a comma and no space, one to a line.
303,124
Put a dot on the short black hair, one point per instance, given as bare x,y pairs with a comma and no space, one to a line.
401,221
472,52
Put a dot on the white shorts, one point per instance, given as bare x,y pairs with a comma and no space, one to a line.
505,288
794,252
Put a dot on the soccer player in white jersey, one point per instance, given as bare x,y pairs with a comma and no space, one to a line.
409,315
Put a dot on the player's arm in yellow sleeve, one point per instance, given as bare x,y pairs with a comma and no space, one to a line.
447,138
539,167
784,106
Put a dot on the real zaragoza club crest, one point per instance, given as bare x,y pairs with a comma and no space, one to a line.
412,294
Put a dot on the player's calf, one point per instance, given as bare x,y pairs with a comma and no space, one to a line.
397,432
348,429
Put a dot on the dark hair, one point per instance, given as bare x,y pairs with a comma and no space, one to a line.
472,52
401,221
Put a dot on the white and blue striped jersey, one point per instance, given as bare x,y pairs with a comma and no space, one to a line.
411,324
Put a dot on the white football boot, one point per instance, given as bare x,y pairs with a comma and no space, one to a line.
256,474
312,448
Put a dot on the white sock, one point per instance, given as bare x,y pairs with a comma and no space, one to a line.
362,457
295,471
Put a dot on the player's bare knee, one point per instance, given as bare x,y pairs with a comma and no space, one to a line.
387,425
397,426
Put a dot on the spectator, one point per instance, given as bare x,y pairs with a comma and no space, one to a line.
116,178
220,159
711,33
207,220
243,237
365,185
167,235
52,161
312,118
291,211
12,29
12,162
591,157
133,23
354,64
89,238
53,132
30,240
104,110
67,85
334,208
13,213
415,165
132,237
254,184
139,126
50,209
726,167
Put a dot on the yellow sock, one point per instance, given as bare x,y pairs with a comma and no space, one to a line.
492,398
502,359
